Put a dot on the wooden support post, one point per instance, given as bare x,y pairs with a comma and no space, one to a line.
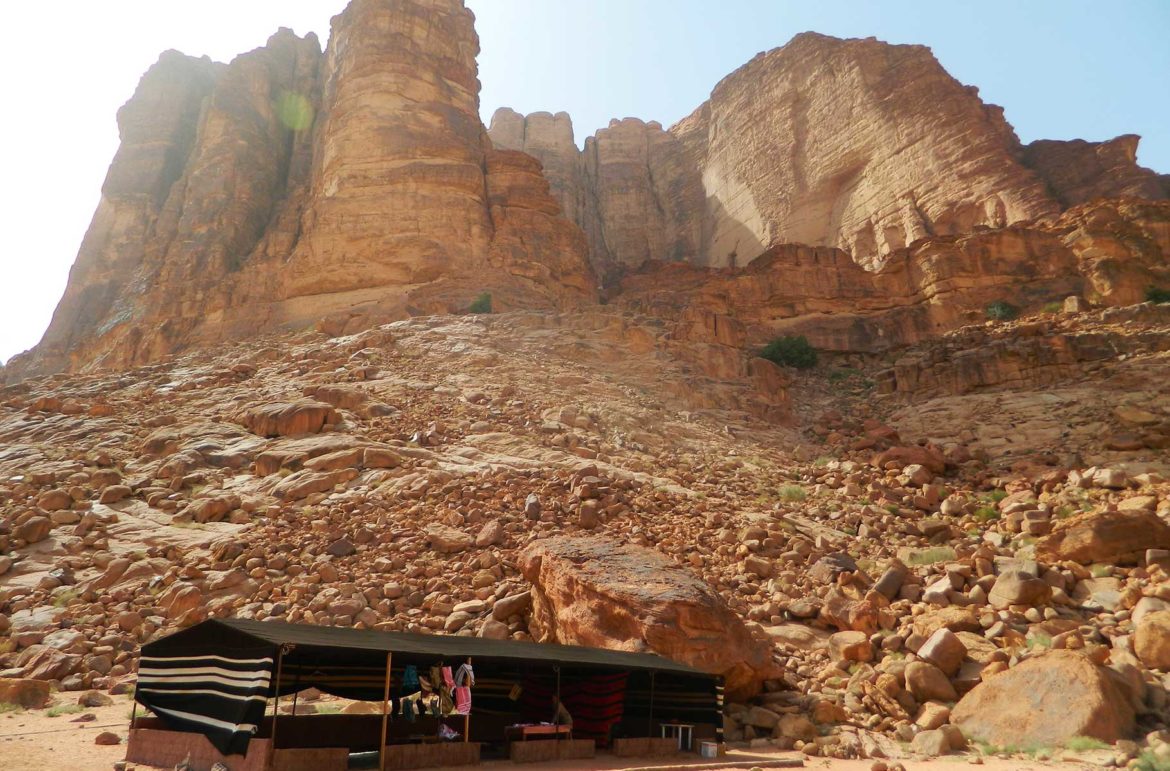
134,711
276,690
385,714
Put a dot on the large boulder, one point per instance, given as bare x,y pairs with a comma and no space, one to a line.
27,693
1046,701
601,593
1152,640
288,418
1115,537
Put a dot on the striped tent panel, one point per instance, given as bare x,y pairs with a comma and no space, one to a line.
596,702
221,696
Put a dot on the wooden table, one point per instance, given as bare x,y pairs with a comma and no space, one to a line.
680,730
525,731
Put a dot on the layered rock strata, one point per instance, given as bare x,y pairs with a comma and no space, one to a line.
293,188
289,187
854,144
1077,171
1106,253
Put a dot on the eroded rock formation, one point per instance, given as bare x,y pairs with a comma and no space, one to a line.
1078,171
289,187
853,144
849,190
1108,252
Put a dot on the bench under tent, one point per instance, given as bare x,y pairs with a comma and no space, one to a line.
216,689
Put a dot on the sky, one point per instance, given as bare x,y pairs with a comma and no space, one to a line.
1062,69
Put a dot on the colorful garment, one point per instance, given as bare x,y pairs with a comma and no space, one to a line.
465,675
463,700
410,679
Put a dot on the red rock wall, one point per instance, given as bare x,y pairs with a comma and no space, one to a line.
289,187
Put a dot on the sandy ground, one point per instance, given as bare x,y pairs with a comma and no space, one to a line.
33,741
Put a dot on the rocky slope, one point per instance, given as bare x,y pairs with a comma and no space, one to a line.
882,560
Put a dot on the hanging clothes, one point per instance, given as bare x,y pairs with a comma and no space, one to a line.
448,680
410,679
409,706
463,700
446,703
465,675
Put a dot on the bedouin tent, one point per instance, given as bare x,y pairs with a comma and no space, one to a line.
216,677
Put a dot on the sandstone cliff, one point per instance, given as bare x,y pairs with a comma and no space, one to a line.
295,188
1106,252
854,144
288,187
1078,171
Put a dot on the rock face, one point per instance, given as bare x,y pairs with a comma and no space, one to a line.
855,173
1046,701
848,190
289,187
937,284
807,143
631,190
595,592
1078,171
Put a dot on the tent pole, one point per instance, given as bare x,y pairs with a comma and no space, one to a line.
276,704
133,714
385,713
557,717
467,717
650,719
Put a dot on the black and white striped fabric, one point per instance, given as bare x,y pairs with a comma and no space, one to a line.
221,696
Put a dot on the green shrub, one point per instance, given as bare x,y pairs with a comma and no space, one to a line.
1053,307
790,352
986,514
1083,743
1001,310
482,304
1158,295
792,493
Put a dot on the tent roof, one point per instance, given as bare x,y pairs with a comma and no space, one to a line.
209,633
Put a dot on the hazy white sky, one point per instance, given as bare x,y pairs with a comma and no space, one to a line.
1061,68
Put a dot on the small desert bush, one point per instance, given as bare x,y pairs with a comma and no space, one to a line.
986,514
482,304
1001,310
790,351
1158,295
792,493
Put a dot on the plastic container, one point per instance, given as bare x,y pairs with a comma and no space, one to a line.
709,749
